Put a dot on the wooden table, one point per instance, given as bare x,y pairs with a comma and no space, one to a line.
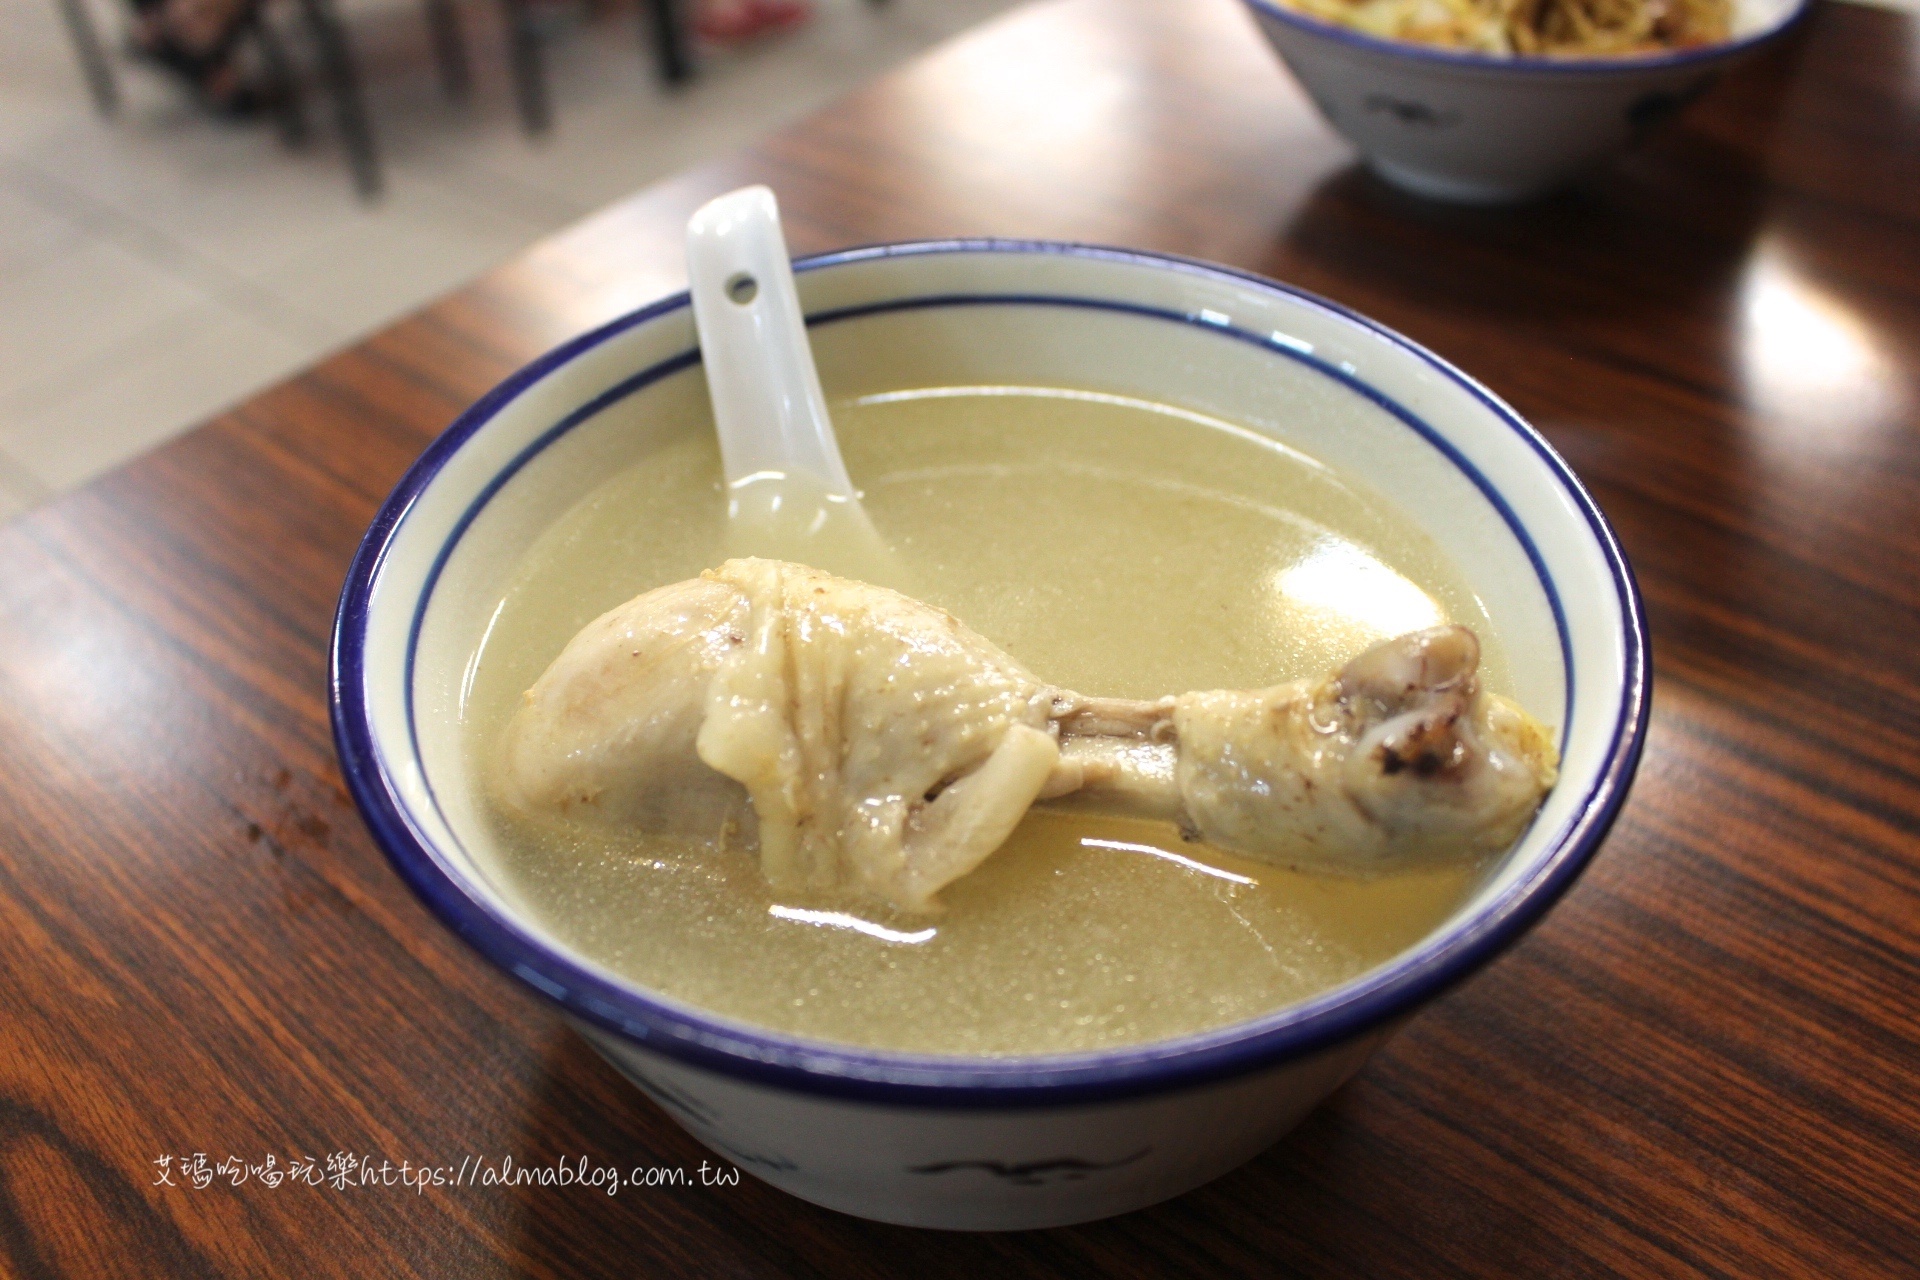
1702,1063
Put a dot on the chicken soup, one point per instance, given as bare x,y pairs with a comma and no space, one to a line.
976,818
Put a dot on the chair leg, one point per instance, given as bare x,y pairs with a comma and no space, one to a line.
670,41
529,72
449,48
343,81
92,55
288,108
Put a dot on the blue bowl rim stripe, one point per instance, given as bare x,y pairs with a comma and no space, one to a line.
1533,64
946,1082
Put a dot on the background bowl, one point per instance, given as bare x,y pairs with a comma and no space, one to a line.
1013,1141
1483,129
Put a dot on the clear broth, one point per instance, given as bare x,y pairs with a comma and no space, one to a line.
1115,547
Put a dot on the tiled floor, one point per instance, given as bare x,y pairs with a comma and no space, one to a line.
160,265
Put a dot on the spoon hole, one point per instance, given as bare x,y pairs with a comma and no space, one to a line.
742,288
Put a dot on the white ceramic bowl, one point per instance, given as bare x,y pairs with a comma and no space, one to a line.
992,1142
1483,129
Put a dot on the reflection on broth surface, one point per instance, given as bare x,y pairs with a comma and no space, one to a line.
1119,548
1080,932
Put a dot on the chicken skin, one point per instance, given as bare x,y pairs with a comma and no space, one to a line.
866,742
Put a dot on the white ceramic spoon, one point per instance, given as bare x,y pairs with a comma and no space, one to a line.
789,495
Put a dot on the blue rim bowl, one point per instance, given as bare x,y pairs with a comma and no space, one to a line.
1533,64
584,992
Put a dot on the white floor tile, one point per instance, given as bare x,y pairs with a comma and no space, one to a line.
76,308
378,269
30,233
200,363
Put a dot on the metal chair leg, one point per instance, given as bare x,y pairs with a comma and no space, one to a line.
343,81
670,41
449,48
529,75
93,56
288,108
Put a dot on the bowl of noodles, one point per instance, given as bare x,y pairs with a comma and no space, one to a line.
1496,101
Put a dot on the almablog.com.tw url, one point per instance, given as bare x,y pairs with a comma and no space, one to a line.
349,1171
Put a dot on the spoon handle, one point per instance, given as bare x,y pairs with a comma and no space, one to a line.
767,404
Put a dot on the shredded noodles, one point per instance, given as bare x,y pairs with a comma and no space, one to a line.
1550,28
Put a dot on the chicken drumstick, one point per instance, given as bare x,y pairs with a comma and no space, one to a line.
868,742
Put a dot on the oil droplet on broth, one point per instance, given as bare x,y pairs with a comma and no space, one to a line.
1114,547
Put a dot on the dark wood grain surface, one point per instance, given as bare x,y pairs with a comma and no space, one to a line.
1705,1062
